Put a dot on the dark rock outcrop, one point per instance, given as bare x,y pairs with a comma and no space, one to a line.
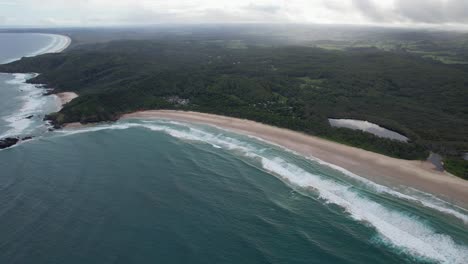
11,141
8,142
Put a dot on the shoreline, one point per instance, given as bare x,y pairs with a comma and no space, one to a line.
65,97
54,48
381,169
68,43
51,48
22,120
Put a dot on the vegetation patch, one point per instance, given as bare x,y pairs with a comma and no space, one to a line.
295,87
457,167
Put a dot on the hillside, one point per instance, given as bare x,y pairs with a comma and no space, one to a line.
296,87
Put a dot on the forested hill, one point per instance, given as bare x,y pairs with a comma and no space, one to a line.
289,86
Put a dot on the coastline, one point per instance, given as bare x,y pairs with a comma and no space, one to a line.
63,43
57,45
65,97
381,169
68,43
35,102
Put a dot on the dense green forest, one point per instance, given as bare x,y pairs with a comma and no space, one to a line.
292,86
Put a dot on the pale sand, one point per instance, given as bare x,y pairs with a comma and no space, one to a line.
68,43
66,97
77,125
376,167
57,48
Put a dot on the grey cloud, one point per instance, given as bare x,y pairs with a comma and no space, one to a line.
157,11
142,15
219,15
333,5
208,15
416,11
433,11
421,10
263,8
369,9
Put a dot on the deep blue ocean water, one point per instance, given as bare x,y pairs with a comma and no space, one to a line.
158,191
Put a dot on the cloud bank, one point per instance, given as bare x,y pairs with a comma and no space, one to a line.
135,12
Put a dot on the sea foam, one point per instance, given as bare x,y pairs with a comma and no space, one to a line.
402,230
409,194
32,103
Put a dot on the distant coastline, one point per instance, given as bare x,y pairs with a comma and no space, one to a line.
34,99
66,97
420,175
58,44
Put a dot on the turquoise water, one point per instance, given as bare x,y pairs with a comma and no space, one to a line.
143,191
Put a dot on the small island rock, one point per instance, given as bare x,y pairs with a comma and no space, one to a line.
8,142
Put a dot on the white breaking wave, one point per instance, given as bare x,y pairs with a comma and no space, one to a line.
424,199
398,228
33,102
69,132
395,227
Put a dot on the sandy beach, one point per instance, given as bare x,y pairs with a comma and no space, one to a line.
66,97
65,46
64,43
59,44
381,169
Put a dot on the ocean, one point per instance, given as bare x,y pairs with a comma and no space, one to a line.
159,191
13,46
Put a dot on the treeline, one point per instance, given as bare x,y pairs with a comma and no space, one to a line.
288,86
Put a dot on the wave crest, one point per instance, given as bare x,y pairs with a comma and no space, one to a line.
401,229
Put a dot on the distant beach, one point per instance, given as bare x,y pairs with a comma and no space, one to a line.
24,117
66,97
57,44
420,175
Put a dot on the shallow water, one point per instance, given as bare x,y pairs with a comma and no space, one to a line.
158,191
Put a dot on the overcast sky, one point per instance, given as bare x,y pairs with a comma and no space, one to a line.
132,12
